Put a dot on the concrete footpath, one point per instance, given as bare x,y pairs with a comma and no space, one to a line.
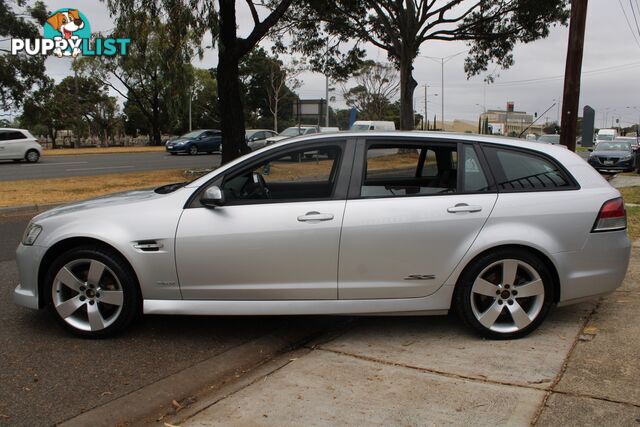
580,368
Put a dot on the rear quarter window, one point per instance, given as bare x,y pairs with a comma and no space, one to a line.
519,170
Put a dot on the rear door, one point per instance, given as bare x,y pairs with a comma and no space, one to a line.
15,144
413,211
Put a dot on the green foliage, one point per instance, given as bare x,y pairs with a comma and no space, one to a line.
156,73
91,111
19,73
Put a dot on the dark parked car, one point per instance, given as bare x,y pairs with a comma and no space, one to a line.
197,141
614,156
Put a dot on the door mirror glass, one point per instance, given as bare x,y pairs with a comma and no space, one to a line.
212,197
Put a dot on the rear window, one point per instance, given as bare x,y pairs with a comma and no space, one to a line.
517,170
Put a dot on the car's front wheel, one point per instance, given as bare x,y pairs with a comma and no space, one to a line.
93,292
505,294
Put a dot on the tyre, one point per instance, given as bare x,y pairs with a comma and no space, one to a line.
93,292
193,150
174,154
505,294
32,156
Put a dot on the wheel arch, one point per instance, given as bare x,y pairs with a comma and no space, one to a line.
67,244
543,257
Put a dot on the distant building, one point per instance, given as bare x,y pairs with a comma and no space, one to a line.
509,122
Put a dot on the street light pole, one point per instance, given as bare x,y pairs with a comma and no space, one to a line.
443,60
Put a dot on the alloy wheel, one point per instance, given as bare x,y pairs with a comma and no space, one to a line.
507,296
32,156
87,295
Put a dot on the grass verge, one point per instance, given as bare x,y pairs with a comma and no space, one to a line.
632,195
63,190
101,150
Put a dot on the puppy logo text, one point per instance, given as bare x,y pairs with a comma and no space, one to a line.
67,33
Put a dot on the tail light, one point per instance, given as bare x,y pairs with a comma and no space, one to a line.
612,216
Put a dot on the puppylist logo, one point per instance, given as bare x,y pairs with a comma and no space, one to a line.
67,33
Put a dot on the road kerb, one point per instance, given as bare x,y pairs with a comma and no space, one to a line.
155,400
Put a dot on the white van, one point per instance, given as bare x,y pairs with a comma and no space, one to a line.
378,125
606,135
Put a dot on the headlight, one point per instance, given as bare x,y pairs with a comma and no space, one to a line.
31,234
625,158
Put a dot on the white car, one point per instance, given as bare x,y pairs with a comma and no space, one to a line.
291,132
19,144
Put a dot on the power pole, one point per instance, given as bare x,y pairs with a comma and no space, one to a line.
442,94
425,107
326,88
573,69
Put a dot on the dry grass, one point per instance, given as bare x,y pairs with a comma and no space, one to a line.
62,190
101,150
632,195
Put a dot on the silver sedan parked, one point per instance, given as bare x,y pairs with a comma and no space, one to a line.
498,230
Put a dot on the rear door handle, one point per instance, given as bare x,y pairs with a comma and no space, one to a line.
315,217
463,207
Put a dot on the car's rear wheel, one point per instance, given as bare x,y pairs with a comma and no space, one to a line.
32,156
93,292
505,294
193,150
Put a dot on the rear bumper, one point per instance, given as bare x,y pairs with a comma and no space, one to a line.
598,268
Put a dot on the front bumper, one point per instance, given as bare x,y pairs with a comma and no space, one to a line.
176,148
616,166
28,259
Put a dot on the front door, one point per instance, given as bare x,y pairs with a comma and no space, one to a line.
278,234
411,219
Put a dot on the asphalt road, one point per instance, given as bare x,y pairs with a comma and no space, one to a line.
48,376
99,164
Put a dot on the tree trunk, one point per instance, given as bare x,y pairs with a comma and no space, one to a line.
407,87
275,116
229,97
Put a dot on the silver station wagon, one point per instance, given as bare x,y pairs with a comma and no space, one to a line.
499,230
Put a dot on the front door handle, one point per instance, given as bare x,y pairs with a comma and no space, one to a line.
315,217
463,207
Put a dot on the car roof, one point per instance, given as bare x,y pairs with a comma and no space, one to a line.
22,130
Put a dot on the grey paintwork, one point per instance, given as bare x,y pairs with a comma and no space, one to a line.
259,259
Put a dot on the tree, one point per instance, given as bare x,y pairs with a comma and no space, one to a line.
377,85
282,80
156,71
492,28
19,73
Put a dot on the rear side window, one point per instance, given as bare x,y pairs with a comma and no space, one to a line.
517,170
406,169
11,135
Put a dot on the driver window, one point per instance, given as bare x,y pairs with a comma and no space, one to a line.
307,174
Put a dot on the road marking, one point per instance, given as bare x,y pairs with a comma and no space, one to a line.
56,164
105,167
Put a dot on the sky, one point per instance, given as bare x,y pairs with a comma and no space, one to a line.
610,82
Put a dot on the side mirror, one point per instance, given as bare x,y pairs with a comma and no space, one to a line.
212,197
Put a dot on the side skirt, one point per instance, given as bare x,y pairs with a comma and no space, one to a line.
435,304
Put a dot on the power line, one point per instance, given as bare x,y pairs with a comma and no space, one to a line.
621,67
633,33
635,18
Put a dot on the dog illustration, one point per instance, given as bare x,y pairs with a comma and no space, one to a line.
66,23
